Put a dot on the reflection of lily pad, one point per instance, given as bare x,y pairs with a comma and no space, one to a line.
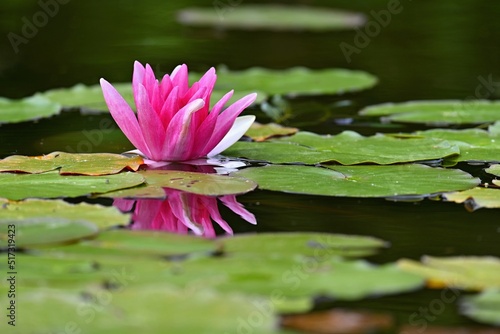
359,181
438,112
53,185
484,307
474,273
86,164
261,132
30,108
191,182
346,148
270,17
476,198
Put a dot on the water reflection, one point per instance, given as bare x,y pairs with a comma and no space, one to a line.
183,212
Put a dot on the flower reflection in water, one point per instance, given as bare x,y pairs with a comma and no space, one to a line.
182,212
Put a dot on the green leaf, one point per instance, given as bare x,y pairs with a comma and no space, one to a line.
52,184
437,112
261,132
476,198
271,17
30,209
67,163
493,169
191,182
346,148
464,272
27,109
484,307
359,181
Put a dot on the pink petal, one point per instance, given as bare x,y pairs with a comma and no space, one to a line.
170,107
238,208
137,78
213,209
124,116
179,78
166,86
240,127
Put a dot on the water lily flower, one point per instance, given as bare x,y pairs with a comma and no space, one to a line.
174,121
182,212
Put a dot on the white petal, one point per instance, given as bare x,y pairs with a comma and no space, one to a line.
240,126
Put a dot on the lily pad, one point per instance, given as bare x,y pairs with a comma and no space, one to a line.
261,132
295,81
484,307
359,181
438,112
67,163
191,182
129,309
101,216
493,169
464,272
270,17
27,109
476,198
347,148
53,185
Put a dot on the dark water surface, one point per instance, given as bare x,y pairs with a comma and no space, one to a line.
431,50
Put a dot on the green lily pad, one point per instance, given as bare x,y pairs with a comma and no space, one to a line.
270,17
27,210
89,97
484,307
476,198
295,81
438,112
43,231
261,132
27,109
129,309
359,181
67,163
305,244
191,182
493,169
347,148
53,185
464,272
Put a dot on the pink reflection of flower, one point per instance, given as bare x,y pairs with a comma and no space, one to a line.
182,212
173,121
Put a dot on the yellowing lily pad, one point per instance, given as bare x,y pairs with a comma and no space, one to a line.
359,181
493,169
68,163
476,198
53,185
261,132
438,112
464,272
270,17
484,307
347,148
27,109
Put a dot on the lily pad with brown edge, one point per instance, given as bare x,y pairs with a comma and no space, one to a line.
359,181
483,308
69,163
261,132
27,109
191,182
462,272
439,112
53,185
476,198
347,148
270,17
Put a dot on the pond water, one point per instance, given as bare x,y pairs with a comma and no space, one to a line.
430,50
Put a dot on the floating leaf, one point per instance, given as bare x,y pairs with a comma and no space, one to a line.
438,112
476,198
261,132
484,307
464,272
359,181
27,210
493,169
346,148
191,182
270,17
68,163
27,109
52,184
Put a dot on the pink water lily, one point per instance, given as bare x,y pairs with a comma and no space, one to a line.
174,121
